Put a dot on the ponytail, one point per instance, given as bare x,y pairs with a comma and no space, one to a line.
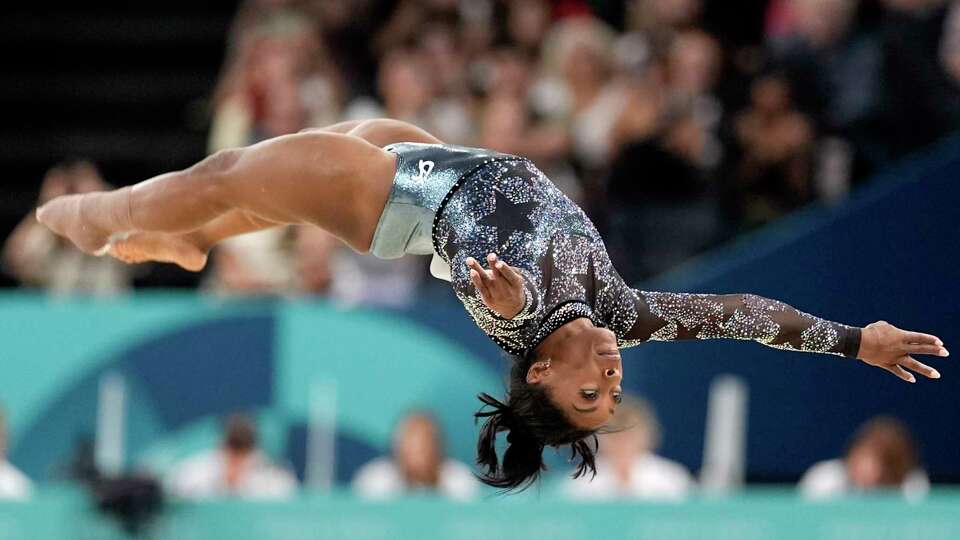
532,422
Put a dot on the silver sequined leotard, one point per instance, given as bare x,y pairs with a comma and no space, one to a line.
496,203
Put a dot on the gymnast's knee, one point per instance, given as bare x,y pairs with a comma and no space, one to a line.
212,177
384,131
217,163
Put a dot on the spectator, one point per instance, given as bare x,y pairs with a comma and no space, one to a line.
260,263
627,468
325,267
14,485
38,258
580,72
835,68
237,468
418,464
315,250
950,44
913,32
774,143
881,457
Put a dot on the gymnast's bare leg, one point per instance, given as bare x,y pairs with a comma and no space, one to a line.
337,178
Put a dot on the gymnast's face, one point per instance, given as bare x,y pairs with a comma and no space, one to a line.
582,376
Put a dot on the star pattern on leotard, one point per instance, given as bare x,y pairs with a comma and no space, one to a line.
504,206
510,207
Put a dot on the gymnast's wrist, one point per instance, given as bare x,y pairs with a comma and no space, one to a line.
853,342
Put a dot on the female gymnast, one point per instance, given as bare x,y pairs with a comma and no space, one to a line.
528,265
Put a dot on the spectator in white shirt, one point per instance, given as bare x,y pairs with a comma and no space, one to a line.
14,485
418,465
882,457
627,467
236,469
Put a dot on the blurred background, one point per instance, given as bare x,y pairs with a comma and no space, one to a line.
805,150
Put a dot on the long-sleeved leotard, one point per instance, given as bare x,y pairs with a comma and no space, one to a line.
507,206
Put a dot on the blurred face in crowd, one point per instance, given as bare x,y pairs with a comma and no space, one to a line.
881,456
673,13
583,376
511,73
771,95
315,248
405,84
528,22
634,433
239,444
584,66
694,62
417,450
823,22
865,468
440,51
504,118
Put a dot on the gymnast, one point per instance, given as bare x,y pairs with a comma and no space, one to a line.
525,261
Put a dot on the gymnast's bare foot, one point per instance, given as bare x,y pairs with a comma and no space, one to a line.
65,216
185,250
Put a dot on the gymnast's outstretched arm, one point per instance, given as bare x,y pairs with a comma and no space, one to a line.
675,316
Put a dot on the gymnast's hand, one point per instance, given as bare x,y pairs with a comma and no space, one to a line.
888,347
500,288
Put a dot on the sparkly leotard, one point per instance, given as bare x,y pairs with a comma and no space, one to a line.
503,204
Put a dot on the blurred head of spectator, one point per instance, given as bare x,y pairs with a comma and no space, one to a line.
774,143
418,464
418,450
821,23
627,466
259,263
405,83
770,129
503,122
950,44
882,456
527,23
236,468
37,257
442,58
660,14
239,445
315,249
634,431
693,63
502,71
580,50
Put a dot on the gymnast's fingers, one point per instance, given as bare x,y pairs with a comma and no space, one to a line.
936,350
480,285
902,373
921,368
923,339
484,274
508,273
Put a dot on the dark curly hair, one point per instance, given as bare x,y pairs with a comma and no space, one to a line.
532,423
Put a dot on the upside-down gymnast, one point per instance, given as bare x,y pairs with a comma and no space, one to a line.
525,261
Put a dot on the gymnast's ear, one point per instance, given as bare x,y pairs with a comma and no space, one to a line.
538,372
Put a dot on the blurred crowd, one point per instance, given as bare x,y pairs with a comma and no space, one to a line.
676,124
880,457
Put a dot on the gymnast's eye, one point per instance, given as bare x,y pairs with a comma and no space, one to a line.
617,397
590,395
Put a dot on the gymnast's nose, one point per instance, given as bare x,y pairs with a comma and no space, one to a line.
611,372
